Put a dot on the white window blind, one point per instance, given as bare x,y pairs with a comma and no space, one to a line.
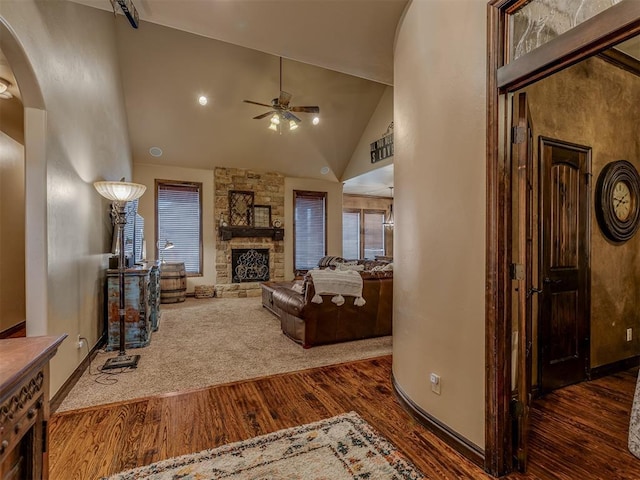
310,229
373,234
179,221
351,234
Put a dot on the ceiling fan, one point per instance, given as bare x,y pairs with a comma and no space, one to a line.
281,110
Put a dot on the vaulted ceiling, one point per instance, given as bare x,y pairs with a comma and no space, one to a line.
337,55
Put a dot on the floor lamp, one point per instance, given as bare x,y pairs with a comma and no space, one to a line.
120,193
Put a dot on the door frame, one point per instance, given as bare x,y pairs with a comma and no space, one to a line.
614,25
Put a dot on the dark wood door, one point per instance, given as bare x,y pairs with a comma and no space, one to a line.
563,328
522,161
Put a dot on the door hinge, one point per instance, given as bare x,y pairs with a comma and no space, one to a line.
518,134
517,271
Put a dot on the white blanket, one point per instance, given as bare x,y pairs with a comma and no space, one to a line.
337,283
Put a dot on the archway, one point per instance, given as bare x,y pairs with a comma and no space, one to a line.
35,181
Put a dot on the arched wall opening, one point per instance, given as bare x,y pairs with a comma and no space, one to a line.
35,174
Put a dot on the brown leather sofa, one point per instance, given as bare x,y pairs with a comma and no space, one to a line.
312,324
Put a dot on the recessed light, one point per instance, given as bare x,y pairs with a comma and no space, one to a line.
155,151
202,100
316,120
324,170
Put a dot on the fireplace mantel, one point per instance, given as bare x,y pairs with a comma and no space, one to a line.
227,233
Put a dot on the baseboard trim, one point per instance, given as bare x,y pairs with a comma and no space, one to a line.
442,431
66,387
13,330
615,367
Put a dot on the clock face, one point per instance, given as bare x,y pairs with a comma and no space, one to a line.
618,201
621,200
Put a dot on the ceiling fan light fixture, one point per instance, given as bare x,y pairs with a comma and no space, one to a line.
275,120
316,120
292,125
273,126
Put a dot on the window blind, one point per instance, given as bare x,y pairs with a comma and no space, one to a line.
351,234
373,234
179,221
310,229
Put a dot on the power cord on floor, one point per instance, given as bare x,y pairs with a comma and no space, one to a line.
102,377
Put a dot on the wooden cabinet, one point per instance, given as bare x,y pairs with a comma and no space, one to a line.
24,406
142,306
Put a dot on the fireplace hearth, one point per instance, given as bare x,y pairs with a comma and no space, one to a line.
250,265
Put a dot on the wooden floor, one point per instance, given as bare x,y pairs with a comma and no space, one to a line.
579,432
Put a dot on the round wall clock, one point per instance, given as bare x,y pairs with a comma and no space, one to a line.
617,194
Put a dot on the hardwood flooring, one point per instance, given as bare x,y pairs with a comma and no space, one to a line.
578,432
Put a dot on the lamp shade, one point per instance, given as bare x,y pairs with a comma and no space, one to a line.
120,191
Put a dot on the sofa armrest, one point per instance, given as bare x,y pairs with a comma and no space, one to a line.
288,301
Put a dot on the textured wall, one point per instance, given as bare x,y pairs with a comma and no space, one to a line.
72,50
597,105
439,174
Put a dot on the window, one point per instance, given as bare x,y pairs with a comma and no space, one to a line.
179,221
373,241
309,229
363,235
350,233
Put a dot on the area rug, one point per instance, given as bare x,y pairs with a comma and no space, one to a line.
205,342
339,448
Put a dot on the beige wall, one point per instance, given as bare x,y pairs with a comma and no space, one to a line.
72,51
361,159
12,302
573,106
334,216
439,170
147,175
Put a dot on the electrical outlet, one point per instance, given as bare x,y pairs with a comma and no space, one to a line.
434,378
80,342
629,334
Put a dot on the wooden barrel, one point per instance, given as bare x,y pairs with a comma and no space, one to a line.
173,282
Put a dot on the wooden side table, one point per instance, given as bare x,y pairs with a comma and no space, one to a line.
24,406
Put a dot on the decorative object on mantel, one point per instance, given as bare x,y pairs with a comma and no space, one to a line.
383,148
388,219
281,110
240,208
262,216
120,193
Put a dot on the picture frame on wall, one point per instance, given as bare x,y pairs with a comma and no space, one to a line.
262,216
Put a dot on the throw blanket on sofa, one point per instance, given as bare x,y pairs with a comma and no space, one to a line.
337,283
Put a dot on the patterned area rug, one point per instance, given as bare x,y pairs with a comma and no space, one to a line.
339,448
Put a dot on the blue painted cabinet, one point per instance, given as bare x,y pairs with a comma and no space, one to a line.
142,306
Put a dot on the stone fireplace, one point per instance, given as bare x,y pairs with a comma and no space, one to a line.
268,191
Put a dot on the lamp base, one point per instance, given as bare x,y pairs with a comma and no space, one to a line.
122,361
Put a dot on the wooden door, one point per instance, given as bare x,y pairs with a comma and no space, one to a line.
522,159
563,328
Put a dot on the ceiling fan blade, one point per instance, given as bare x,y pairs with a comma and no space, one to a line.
291,116
284,99
258,103
264,115
305,109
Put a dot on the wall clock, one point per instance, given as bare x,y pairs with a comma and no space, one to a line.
617,198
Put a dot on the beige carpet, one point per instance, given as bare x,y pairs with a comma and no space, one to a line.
204,342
